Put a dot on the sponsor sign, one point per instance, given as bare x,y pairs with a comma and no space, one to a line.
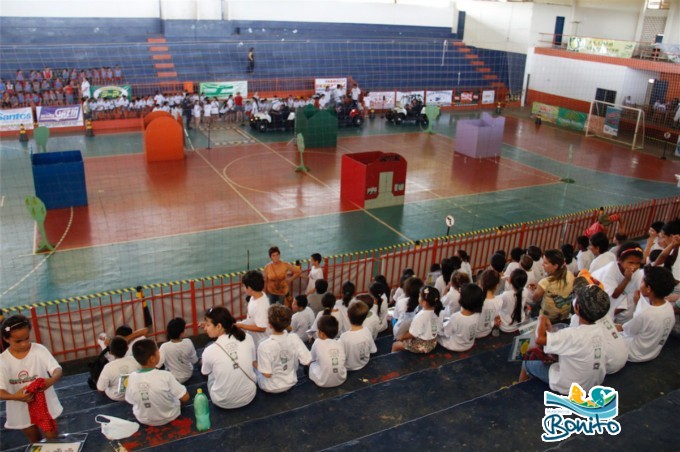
405,97
607,47
52,117
111,91
548,113
441,98
572,119
222,90
466,98
611,121
320,85
381,100
13,119
488,96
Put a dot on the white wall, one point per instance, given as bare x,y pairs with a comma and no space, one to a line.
341,12
635,85
610,23
80,8
497,25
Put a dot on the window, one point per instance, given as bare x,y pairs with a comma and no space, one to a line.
658,4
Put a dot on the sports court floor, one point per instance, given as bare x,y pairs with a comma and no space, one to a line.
220,209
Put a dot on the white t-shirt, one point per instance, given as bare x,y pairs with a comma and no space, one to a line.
451,302
400,306
109,379
440,285
602,260
508,300
179,358
328,363
278,355
467,268
129,350
359,345
15,374
582,357
258,315
314,274
648,330
301,322
488,315
230,386
342,316
615,347
584,259
537,269
337,313
458,334
154,396
425,325
610,276
372,323
403,324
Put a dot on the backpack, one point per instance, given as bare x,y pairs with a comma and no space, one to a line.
96,368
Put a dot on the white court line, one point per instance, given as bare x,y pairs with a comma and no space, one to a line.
2,202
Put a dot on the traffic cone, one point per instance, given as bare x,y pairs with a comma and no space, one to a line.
23,138
88,129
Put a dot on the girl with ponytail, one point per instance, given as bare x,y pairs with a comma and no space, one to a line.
512,310
422,333
228,362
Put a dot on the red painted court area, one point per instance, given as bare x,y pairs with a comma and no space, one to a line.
249,184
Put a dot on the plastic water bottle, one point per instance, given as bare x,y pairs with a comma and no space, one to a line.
202,411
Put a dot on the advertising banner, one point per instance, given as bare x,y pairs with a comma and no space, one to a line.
572,119
441,98
14,118
404,97
320,84
612,120
52,117
111,91
466,98
222,90
488,97
607,47
548,112
380,100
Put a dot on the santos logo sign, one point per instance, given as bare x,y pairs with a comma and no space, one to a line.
592,415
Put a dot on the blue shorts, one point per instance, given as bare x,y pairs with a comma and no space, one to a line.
537,369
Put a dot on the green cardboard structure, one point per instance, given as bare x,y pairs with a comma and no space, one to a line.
318,127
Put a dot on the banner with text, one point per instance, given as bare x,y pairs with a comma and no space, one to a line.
607,47
488,96
441,98
548,113
405,97
222,90
572,119
320,85
466,98
380,100
612,120
111,91
53,117
14,118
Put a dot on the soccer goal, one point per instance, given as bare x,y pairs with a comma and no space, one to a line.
618,123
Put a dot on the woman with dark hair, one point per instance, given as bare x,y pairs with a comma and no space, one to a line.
228,362
556,290
278,276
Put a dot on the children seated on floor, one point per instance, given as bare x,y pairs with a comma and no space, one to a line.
122,366
327,368
358,341
178,355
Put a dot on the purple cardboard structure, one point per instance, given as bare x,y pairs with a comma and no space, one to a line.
480,138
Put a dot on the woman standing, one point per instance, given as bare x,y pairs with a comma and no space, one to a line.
277,276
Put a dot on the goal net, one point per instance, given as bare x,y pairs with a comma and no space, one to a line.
618,123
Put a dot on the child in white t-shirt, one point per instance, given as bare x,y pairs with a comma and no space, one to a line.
279,355
458,334
327,368
178,355
380,291
581,350
155,395
405,307
451,301
489,281
228,362
426,325
372,321
256,321
315,273
330,307
653,319
122,366
303,318
21,365
358,341
513,306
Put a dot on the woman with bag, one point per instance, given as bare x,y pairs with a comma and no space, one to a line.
278,276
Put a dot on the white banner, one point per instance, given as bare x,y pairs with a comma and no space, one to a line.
379,100
488,97
441,98
320,84
51,117
409,95
222,90
14,118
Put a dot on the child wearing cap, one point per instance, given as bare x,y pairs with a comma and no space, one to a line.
581,350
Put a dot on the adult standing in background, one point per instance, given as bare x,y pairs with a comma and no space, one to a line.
85,89
278,276
251,60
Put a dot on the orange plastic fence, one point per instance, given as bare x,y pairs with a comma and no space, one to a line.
69,328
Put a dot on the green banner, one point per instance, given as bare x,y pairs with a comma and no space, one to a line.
222,90
111,91
572,119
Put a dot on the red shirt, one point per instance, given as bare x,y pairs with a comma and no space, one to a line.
238,101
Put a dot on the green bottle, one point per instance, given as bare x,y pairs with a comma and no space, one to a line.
202,411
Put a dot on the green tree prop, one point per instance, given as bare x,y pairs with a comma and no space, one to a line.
432,113
301,149
37,210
